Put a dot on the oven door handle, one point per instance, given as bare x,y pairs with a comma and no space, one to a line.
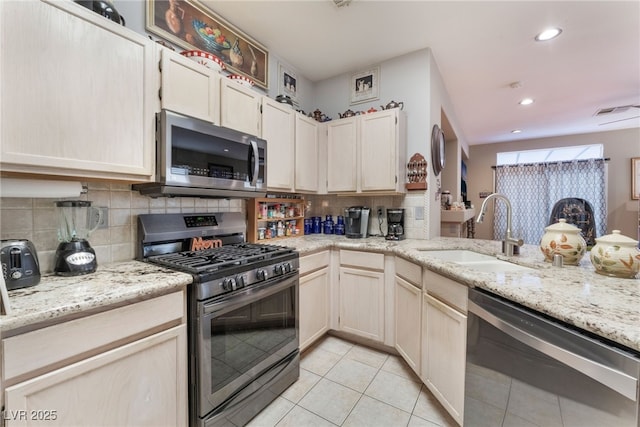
618,381
248,296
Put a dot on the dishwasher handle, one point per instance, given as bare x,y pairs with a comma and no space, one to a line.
620,382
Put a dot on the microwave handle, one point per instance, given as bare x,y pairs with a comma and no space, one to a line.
254,156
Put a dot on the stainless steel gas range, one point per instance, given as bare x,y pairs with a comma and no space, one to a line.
243,312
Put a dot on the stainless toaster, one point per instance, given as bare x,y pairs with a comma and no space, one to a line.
20,266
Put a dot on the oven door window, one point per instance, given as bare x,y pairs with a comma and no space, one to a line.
255,332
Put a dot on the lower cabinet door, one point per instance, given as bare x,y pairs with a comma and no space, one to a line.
314,306
362,303
443,368
408,301
143,383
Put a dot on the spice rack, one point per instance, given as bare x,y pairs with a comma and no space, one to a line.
274,219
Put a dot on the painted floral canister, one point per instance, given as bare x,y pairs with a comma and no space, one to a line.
564,239
616,255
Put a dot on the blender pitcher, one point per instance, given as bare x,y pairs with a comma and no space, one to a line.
74,255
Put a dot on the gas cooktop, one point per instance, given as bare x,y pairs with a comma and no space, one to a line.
215,259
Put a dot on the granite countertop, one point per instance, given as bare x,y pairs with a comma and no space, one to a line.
58,298
606,306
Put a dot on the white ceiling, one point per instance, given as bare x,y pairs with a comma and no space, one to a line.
480,47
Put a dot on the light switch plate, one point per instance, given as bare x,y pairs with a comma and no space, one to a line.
418,212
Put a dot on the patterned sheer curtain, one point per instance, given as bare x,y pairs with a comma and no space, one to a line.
533,189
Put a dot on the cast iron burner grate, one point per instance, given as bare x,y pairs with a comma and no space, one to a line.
218,258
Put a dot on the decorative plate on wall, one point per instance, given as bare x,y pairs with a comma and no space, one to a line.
437,149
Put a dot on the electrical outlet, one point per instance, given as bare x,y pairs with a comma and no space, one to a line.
380,210
100,219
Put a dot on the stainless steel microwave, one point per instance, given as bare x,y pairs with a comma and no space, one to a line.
195,158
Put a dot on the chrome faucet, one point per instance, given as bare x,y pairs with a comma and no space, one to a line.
509,241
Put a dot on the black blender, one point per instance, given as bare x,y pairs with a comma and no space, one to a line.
74,255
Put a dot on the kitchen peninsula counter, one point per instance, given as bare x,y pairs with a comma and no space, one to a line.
58,298
605,306
608,307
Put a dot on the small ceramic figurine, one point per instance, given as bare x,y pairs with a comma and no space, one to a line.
346,114
318,115
393,104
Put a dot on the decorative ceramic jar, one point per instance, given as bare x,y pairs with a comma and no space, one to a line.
616,255
564,239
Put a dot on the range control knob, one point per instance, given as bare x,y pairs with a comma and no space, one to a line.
287,267
262,274
240,282
229,284
278,269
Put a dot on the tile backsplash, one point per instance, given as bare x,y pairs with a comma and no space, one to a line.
36,219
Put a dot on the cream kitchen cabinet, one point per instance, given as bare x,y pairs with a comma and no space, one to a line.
444,340
342,152
278,128
408,311
307,148
78,93
189,88
126,366
239,107
314,297
362,294
366,153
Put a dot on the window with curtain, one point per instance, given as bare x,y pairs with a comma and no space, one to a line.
534,189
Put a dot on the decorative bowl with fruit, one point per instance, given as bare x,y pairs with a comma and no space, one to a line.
244,81
212,38
205,58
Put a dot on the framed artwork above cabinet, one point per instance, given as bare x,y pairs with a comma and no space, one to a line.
191,25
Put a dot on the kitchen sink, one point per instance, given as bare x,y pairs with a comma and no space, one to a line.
475,260
458,255
495,265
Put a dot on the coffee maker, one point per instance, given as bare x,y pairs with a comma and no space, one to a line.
356,222
395,224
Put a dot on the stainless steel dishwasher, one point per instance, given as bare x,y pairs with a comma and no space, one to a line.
525,369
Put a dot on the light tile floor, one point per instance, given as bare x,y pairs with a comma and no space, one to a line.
346,384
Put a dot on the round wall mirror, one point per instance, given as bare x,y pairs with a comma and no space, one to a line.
437,149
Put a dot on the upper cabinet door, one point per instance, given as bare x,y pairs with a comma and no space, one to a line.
379,151
342,167
278,121
78,93
307,154
239,107
189,88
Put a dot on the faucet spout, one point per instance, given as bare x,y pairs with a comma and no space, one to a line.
509,241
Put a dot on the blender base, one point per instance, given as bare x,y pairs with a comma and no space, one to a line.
75,258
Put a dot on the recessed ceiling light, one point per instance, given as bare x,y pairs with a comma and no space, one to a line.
516,131
548,34
526,101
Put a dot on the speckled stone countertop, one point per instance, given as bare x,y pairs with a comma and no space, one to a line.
58,298
606,306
